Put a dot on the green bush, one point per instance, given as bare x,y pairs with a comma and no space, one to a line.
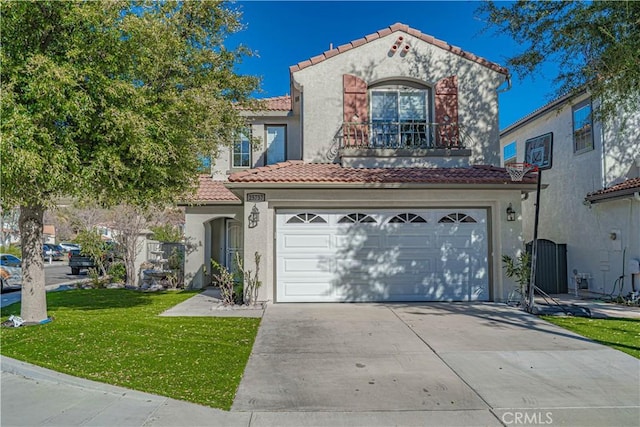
118,272
167,233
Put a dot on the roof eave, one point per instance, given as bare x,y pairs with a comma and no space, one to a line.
616,195
208,202
376,185
393,29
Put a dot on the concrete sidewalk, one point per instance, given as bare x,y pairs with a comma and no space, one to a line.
34,396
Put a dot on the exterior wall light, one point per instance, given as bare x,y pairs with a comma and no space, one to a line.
254,217
511,214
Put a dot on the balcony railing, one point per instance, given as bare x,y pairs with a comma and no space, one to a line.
402,135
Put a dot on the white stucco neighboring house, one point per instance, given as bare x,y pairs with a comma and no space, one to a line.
592,200
377,179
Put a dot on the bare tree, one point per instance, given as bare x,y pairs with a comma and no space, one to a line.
128,223
10,228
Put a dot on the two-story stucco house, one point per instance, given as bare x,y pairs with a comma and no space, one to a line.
377,179
592,200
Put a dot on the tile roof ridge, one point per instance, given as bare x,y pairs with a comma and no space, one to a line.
398,26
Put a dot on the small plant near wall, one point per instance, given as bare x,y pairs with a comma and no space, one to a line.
519,269
250,279
226,282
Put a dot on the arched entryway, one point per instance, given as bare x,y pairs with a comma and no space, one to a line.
225,239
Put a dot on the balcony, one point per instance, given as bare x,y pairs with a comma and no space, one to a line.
403,135
409,144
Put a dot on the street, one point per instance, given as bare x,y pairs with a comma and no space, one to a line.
56,273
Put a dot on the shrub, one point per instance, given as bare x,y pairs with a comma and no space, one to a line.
167,233
226,282
519,269
118,272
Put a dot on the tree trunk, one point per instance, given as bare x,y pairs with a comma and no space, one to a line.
34,300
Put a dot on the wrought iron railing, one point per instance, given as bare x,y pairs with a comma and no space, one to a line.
402,135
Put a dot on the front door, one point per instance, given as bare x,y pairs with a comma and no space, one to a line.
233,243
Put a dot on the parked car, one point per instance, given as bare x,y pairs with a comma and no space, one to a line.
79,261
51,251
10,278
69,246
10,260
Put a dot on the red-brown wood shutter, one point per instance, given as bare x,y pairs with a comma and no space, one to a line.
356,110
447,111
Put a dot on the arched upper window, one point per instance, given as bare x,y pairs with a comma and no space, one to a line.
400,114
407,218
456,217
306,218
356,218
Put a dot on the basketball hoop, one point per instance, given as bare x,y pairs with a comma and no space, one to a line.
517,171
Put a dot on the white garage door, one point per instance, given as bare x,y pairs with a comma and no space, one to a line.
361,255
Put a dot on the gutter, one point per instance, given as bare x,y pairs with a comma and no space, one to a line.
618,195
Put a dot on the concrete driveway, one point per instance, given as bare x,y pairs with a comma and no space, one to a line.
468,364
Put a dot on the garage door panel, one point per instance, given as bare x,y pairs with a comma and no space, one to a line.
307,241
410,240
357,241
307,265
384,261
293,289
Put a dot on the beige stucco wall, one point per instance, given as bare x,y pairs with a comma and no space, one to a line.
505,236
564,218
322,100
199,233
221,164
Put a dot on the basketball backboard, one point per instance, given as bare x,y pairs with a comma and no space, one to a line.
538,151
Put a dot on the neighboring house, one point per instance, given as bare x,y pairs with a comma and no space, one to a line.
49,233
378,179
592,202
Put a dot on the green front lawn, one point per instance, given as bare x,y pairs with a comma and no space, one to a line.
115,336
621,334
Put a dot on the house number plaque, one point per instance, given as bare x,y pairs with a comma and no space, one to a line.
255,197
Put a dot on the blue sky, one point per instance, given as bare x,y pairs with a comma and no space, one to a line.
287,32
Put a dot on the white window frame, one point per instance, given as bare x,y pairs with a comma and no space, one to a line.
400,128
269,161
585,143
239,143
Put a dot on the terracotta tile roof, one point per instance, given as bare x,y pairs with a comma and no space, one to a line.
211,191
300,172
626,188
392,29
277,103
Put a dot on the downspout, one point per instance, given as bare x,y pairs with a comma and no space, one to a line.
604,156
508,80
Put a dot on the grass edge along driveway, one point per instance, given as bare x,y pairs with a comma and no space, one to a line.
116,337
620,333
